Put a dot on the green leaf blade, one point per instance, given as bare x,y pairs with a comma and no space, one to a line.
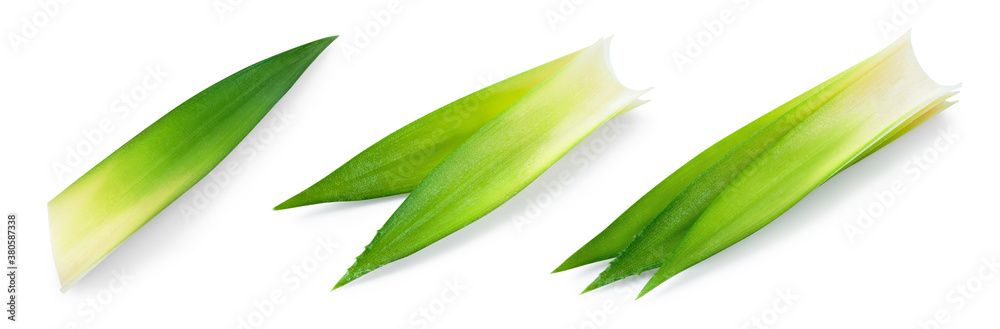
623,230
97,212
869,112
653,245
398,162
515,147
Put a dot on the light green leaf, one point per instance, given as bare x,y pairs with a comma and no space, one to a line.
97,212
398,162
884,101
880,104
610,242
502,157
647,241
617,236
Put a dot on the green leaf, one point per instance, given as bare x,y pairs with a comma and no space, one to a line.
610,242
646,241
502,157
97,212
398,162
885,101
661,235
617,236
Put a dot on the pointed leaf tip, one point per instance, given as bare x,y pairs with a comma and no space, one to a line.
566,265
340,283
101,209
287,204
349,276
321,43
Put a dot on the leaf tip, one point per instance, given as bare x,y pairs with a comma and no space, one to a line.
661,276
347,278
323,42
287,204
304,198
355,271
562,267
646,289
593,285
570,263
339,284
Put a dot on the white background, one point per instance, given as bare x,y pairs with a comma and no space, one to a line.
208,269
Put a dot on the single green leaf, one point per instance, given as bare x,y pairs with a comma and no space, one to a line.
502,157
398,162
874,108
97,212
